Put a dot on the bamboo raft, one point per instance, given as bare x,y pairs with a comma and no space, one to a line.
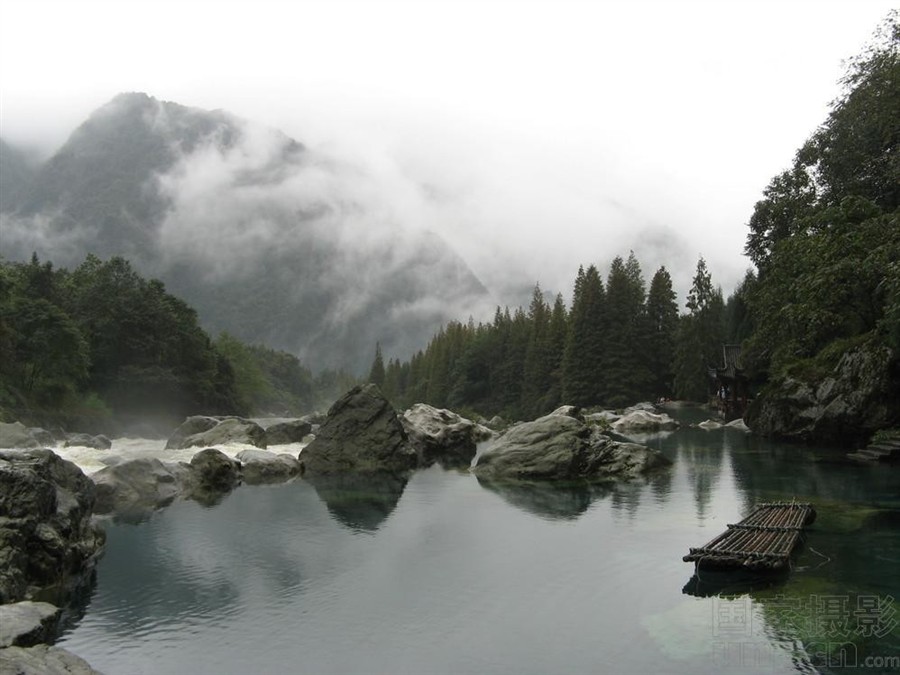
761,542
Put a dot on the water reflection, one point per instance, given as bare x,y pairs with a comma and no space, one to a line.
360,501
552,501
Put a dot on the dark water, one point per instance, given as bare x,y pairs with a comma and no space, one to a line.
444,575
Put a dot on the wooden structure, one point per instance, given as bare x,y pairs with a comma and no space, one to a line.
761,542
729,383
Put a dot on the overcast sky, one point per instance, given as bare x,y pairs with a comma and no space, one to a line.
540,135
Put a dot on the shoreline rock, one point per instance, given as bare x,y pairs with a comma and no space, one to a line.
443,436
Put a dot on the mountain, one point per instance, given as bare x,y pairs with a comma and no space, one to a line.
16,172
267,239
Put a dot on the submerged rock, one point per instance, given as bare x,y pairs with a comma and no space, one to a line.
440,435
47,539
709,425
360,433
559,447
27,623
43,660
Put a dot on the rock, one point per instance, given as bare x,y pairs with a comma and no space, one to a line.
441,435
137,487
496,422
644,406
47,539
27,623
710,424
262,466
856,399
283,433
229,430
43,660
558,447
360,433
602,417
213,470
17,435
44,438
738,424
641,420
191,426
87,441
569,411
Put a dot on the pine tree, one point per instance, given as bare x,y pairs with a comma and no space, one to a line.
582,361
662,320
700,334
376,372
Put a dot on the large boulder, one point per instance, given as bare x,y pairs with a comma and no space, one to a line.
292,431
228,430
215,471
28,623
44,660
193,425
858,397
361,432
137,487
17,435
263,466
560,447
440,435
47,539
643,420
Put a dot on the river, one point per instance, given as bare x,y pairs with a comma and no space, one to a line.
441,574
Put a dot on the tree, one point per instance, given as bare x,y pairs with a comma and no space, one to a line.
700,332
583,377
662,324
377,372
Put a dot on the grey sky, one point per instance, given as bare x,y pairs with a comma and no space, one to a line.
535,136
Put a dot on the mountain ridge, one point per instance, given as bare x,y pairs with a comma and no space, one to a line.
269,240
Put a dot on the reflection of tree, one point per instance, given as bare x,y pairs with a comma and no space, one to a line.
556,501
361,501
702,456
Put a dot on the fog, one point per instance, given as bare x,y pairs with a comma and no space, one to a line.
533,136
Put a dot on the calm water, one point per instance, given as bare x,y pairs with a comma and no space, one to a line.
444,575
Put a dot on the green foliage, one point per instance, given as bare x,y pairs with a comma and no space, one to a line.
700,337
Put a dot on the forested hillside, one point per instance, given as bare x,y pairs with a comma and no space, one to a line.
102,347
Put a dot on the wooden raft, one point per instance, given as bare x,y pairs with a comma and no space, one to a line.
761,542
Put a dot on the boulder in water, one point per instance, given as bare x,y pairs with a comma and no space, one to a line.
292,431
193,425
559,447
137,487
100,442
27,623
263,466
43,659
360,433
440,435
47,539
642,420
229,430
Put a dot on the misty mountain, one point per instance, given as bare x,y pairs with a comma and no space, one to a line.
267,239
16,173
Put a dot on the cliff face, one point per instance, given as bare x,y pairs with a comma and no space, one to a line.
856,399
